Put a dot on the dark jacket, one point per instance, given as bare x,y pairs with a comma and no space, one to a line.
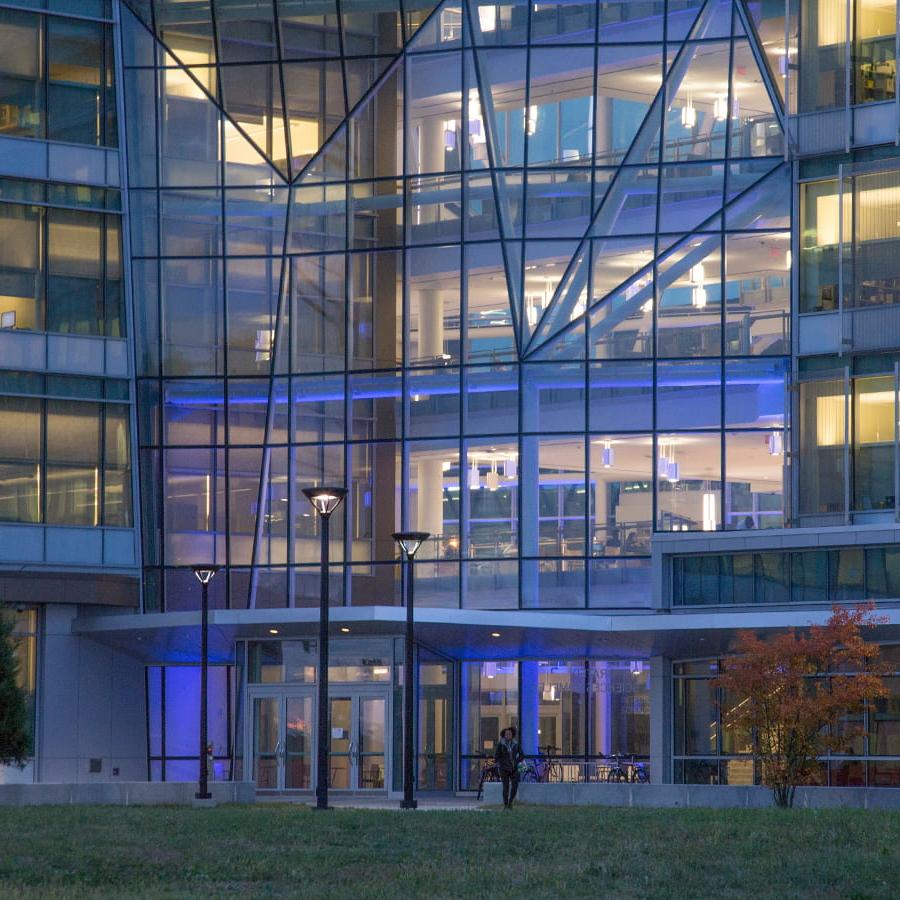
508,758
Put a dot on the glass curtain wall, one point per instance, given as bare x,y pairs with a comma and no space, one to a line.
25,644
583,711
57,74
435,720
60,259
847,575
518,277
848,438
64,461
850,235
173,735
841,39
709,749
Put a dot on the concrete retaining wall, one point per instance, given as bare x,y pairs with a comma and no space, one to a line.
124,793
693,795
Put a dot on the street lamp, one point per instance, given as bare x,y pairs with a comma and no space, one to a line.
325,500
409,542
204,575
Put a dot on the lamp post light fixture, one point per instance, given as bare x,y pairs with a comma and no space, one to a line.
325,500
409,542
204,574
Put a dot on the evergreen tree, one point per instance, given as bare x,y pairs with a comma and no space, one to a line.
14,737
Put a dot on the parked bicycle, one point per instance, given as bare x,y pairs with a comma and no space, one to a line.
631,771
639,772
544,768
617,772
489,772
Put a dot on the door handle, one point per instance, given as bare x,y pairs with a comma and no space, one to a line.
279,751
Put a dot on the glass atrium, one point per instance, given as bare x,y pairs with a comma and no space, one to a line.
517,275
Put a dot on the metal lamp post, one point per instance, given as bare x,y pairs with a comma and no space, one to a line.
409,542
325,500
204,575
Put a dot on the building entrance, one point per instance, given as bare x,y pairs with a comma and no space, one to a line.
358,757
284,739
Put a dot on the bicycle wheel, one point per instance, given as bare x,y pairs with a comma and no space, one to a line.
616,776
488,773
481,781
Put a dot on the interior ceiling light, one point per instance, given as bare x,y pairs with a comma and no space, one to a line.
698,297
698,293
607,455
449,135
709,511
487,18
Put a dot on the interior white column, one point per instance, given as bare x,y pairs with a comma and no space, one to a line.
431,324
430,500
432,145
661,720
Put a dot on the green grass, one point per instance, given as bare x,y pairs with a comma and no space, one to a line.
531,852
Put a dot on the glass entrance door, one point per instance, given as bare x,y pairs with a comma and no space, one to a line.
283,742
297,746
358,741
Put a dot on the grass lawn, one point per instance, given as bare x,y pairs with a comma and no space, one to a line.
531,852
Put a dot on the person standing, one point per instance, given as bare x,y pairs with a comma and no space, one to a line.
508,755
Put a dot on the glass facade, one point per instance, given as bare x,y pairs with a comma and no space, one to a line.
56,74
848,438
710,750
849,239
60,259
469,264
517,275
173,731
65,457
846,575
583,710
847,52
25,643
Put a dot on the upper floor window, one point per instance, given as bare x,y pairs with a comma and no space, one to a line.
847,37
56,79
64,462
60,270
850,234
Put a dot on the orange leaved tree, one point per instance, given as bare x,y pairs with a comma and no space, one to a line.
796,687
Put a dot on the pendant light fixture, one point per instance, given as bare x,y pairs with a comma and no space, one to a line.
607,455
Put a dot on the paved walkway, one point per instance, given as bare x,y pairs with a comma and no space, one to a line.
425,803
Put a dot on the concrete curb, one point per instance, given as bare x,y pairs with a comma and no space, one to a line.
124,793
705,796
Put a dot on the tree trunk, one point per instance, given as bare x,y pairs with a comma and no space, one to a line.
784,795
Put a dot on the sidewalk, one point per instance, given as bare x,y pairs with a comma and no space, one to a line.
426,804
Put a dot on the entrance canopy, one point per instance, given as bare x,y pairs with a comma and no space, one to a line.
462,634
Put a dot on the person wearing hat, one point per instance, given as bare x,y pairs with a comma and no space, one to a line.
508,755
